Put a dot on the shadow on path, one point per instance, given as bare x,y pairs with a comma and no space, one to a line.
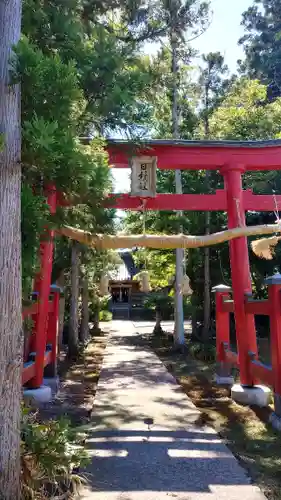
148,441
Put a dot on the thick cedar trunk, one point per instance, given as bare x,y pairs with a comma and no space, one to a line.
11,338
73,344
84,329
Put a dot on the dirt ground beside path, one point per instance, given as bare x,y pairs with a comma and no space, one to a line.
245,430
78,384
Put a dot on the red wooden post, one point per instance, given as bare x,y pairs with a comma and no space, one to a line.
222,330
52,331
42,285
274,297
240,272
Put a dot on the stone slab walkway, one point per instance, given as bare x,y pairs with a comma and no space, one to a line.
147,442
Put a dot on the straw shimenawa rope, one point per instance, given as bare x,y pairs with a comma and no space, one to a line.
106,241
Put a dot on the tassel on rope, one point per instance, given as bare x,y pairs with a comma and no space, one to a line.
104,284
265,247
145,286
186,288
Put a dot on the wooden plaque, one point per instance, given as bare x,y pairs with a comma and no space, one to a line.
143,176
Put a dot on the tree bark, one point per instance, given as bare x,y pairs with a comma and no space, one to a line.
97,320
179,338
73,343
207,278
207,283
158,328
11,337
84,329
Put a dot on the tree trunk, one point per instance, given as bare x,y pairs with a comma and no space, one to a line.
158,328
84,329
207,278
97,320
73,344
11,337
207,285
180,256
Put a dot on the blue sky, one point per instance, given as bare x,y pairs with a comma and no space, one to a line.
225,30
222,35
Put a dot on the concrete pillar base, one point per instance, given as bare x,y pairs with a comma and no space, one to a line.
53,383
258,395
221,380
41,395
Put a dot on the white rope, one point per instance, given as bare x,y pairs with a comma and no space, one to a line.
145,285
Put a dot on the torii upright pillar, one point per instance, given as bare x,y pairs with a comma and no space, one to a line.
240,272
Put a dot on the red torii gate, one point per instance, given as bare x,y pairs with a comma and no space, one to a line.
232,159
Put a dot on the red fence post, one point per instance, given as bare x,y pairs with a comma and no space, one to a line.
274,296
42,286
52,332
223,374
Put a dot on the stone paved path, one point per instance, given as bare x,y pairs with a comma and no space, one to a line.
147,442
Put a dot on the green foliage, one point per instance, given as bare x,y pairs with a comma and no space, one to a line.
160,302
160,96
52,103
245,114
34,217
160,264
51,86
113,76
50,452
212,87
261,44
78,77
105,315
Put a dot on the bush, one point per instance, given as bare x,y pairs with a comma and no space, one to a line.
204,352
50,453
105,316
162,303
